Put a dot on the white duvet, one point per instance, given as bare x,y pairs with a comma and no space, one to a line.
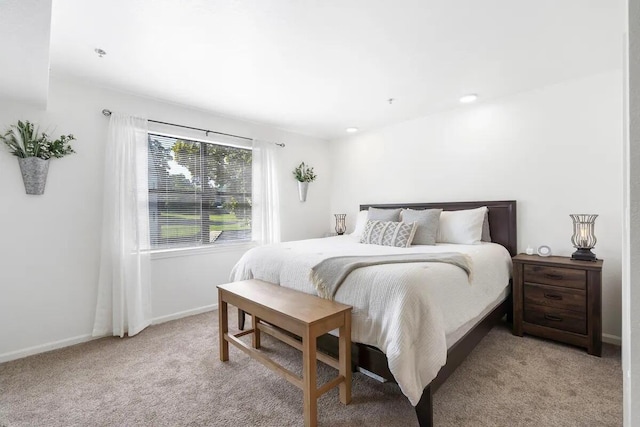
405,310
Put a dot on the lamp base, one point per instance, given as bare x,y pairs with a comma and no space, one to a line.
584,254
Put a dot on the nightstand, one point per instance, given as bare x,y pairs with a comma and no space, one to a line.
558,298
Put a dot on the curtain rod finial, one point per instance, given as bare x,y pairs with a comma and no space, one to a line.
106,112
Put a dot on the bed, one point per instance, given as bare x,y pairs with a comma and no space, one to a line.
405,331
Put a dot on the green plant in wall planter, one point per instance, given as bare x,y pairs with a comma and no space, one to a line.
33,150
304,175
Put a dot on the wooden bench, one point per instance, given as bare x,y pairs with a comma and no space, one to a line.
306,316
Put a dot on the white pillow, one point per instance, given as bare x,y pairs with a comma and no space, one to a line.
462,227
361,223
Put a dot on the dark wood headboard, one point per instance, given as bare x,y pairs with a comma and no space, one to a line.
502,217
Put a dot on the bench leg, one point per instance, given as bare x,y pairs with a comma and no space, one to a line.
344,350
309,373
255,337
240,319
223,326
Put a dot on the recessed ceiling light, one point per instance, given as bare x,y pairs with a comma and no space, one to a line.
468,98
100,52
352,130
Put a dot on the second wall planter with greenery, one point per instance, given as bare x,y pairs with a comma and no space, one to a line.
33,150
304,175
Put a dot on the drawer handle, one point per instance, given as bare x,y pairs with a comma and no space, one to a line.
553,296
553,276
553,318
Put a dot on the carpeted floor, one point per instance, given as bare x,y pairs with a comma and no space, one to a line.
170,375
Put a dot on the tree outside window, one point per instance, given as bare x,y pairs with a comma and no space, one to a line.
199,192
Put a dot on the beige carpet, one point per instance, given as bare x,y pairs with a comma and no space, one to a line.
170,375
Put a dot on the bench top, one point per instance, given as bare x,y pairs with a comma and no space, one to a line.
305,308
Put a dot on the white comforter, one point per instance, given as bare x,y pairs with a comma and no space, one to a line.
405,310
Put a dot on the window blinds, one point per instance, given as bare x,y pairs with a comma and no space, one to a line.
199,192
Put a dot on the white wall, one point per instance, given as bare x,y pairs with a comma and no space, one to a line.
556,150
50,244
631,252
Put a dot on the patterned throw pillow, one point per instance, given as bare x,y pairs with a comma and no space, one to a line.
388,233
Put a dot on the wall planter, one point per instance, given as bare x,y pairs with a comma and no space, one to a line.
33,150
303,187
304,175
34,174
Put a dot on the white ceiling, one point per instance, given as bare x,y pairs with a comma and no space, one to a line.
319,66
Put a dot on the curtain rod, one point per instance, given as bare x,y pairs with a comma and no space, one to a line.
206,131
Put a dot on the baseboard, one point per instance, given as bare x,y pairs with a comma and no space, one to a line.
55,345
372,375
181,314
30,351
612,339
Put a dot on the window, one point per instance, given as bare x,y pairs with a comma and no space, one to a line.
199,192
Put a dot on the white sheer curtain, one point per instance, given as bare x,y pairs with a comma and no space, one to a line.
124,303
265,211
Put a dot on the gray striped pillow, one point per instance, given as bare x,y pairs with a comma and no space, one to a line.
388,233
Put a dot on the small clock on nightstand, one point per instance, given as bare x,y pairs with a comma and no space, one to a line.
558,298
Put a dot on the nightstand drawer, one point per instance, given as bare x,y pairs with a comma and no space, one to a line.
557,276
557,318
554,296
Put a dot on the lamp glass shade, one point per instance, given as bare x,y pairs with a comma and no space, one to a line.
583,238
341,224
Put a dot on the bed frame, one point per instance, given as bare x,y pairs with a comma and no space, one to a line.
502,225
